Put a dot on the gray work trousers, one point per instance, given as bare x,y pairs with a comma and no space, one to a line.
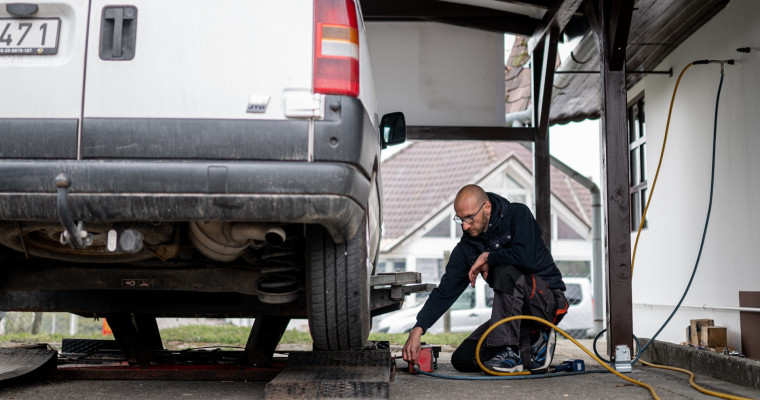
515,293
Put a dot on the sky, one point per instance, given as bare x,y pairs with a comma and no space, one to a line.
576,143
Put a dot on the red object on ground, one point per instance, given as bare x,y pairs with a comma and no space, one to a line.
424,360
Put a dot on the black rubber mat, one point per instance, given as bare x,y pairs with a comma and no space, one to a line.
87,346
333,374
17,363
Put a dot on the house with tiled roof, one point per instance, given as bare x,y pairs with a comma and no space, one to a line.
421,181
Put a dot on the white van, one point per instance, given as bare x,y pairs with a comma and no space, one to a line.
473,308
191,157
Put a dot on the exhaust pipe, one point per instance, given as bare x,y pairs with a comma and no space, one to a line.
272,234
226,241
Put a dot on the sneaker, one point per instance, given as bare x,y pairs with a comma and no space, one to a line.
505,361
542,350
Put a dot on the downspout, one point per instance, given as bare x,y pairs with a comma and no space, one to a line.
521,118
596,238
597,272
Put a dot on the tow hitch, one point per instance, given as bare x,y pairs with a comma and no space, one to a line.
74,235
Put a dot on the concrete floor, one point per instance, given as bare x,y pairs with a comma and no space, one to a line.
669,385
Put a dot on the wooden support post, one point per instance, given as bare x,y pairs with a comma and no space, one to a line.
447,314
544,62
615,165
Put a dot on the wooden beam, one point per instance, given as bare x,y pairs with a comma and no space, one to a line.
544,60
448,13
619,27
548,66
558,16
615,157
545,4
493,133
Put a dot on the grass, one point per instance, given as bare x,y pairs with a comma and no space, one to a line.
450,339
230,336
46,337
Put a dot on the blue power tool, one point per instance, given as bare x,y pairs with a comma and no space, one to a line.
575,365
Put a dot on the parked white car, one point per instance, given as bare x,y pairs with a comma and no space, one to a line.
474,307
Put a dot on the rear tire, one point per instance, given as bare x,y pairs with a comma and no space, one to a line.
337,290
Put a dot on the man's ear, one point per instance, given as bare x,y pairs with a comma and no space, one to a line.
488,206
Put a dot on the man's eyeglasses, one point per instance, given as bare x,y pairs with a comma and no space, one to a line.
459,220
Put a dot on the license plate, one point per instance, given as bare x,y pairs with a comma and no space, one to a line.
29,36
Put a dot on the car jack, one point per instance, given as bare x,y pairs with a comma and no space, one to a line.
74,235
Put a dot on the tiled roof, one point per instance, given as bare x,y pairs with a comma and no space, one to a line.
517,77
423,178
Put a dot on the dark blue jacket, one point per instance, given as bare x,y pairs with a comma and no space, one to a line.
513,238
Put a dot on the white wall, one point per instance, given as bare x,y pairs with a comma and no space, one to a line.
668,248
438,74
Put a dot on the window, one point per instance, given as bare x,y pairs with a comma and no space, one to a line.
516,192
573,294
393,265
638,160
508,184
430,269
466,301
442,229
571,268
489,296
564,231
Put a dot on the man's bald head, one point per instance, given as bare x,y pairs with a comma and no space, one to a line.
471,192
473,209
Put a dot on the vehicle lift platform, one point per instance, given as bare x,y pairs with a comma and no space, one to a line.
137,354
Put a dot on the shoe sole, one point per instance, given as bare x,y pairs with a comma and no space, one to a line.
518,368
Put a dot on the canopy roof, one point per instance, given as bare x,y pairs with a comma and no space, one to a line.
657,28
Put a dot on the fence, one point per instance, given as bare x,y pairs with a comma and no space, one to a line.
48,323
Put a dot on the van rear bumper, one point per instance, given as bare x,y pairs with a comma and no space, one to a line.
330,194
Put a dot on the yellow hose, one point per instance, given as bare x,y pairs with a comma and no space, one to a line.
659,163
547,323
694,384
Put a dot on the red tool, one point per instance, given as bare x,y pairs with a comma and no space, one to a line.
427,361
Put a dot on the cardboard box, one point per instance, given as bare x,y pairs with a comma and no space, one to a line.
713,336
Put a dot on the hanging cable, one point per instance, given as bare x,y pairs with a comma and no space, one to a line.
659,163
709,208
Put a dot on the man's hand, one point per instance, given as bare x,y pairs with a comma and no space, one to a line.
412,347
480,266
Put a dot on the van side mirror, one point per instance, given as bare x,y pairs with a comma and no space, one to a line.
393,129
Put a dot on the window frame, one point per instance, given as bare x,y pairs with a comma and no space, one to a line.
637,165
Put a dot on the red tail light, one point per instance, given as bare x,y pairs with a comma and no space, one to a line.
336,44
